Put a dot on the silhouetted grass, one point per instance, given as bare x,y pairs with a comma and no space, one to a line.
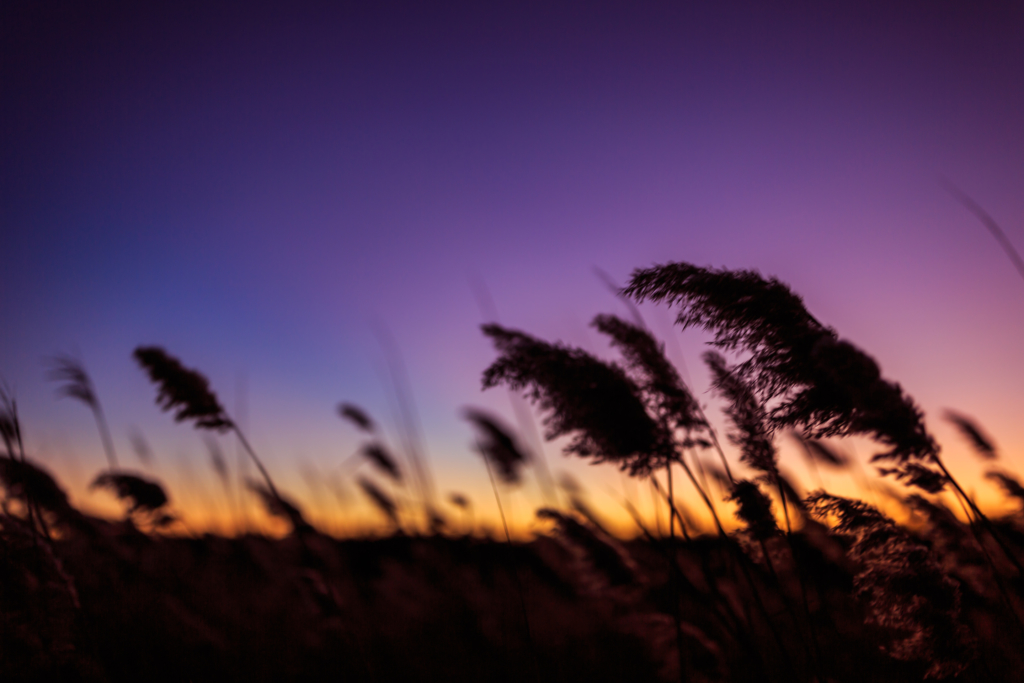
816,588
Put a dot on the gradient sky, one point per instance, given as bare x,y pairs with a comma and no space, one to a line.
256,187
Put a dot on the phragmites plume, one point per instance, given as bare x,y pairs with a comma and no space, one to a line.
380,500
602,553
916,474
818,451
743,310
752,433
184,391
666,395
595,402
754,508
981,443
143,495
793,496
75,381
380,458
10,427
1010,485
31,484
826,385
458,500
903,587
497,445
357,416
279,506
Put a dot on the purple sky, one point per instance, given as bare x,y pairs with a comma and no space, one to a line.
252,187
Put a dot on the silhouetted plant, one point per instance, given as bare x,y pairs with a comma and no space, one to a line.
183,391
751,434
357,416
76,383
903,587
278,506
665,394
10,426
143,495
818,451
497,445
142,449
594,402
754,508
1009,483
604,555
981,443
916,474
380,500
31,484
188,394
379,457
818,381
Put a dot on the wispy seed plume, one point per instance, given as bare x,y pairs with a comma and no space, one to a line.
181,390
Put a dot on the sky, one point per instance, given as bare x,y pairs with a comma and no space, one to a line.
270,191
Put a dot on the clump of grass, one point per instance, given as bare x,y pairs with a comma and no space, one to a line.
904,588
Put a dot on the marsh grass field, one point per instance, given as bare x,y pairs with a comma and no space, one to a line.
791,586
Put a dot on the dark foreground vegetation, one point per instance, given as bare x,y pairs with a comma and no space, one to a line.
808,587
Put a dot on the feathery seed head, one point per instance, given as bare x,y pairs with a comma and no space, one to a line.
380,500
458,500
752,432
497,444
596,402
664,391
29,482
144,494
75,381
185,391
982,444
819,451
826,385
903,587
356,416
279,506
755,509
382,460
1009,483
916,474
10,428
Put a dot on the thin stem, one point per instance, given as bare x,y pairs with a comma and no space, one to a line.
746,571
674,571
108,443
981,516
989,223
515,568
259,465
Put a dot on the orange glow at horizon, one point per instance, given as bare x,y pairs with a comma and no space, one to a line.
203,506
